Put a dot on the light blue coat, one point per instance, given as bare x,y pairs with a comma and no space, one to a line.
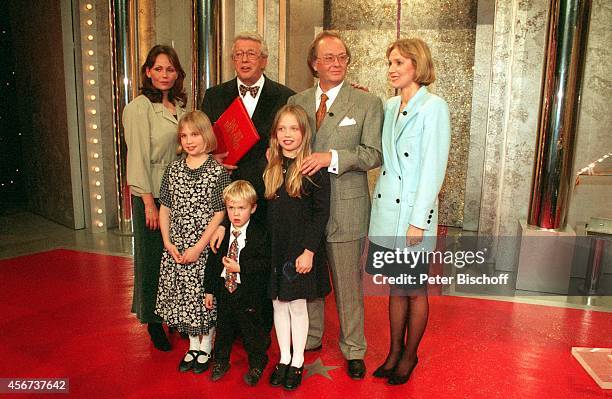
415,150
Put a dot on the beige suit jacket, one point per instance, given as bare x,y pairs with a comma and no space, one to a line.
151,138
352,127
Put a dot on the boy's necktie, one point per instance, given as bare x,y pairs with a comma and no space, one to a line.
230,278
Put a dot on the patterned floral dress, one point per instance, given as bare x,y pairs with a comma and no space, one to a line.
193,196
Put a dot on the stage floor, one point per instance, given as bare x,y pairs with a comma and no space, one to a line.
67,314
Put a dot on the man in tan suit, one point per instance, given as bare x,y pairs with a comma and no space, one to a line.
347,125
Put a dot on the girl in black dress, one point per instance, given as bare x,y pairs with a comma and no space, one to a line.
298,209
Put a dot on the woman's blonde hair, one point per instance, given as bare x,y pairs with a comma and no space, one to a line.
416,50
198,121
273,174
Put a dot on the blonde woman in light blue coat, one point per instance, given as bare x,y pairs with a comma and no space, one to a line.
415,143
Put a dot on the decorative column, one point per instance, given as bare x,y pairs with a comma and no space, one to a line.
547,243
124,64
206,46
91,79
564,65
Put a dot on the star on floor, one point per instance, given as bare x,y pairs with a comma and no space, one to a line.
317,367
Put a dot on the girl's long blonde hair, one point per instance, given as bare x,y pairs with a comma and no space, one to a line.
273,174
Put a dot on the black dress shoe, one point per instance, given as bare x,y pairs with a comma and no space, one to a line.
199,367
219,370
382,372
278,375
158,336
252,376
356,369
396,379
293,378
186,365
314,349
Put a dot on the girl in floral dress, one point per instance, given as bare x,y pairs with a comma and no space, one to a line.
191,209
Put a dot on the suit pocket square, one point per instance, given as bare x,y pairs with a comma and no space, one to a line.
347,122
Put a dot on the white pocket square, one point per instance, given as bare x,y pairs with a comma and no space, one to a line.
347,122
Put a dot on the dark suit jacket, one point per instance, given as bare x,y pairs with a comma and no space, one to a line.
273,96
254,262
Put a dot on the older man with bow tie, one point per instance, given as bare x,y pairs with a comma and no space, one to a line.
261,96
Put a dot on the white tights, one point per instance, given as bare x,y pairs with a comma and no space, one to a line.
291,325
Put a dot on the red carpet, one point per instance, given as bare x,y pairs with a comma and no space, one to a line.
66,314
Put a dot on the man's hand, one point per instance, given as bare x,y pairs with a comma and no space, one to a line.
217,238
316,161
208,301
220,158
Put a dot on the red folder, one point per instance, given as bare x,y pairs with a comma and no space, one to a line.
235,132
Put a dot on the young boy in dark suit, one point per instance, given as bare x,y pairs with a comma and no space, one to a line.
238,276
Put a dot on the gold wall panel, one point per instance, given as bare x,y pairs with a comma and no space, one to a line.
449,27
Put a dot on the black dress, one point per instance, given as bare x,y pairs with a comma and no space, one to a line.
296,224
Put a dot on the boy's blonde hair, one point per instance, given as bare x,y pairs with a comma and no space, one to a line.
240,190
198,121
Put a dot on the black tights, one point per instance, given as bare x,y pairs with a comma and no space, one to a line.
407,318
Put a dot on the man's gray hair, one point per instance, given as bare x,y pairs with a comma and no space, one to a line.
254,36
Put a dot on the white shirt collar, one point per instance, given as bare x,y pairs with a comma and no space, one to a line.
331,94
241,229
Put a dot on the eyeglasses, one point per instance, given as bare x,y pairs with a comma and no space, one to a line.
329,59
251,55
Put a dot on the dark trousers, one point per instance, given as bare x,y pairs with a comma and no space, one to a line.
237,313
148,247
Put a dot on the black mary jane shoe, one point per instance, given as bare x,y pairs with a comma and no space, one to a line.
198,367
186,365
382,372
277,378
396,379
293,378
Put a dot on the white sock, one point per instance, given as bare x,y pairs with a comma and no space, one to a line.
299,330
207,339
282,325
194,345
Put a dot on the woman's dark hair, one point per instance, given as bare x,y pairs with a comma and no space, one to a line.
153,94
